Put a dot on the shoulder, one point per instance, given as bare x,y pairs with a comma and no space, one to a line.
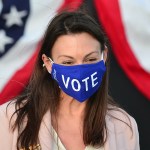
119,117
7,110
122,129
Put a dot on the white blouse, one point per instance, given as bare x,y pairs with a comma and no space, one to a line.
57,144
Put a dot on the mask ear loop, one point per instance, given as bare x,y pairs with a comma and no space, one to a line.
102,56
50,60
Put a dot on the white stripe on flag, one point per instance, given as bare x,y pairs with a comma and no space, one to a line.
136,19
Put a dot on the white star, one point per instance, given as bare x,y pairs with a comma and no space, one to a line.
4,39
14,17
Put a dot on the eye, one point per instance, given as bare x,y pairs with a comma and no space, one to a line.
67,63
91,60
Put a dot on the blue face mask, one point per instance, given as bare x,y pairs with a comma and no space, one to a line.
79,81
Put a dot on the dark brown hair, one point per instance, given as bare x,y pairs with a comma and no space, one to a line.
42,93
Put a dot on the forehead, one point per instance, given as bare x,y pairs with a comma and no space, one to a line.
73,44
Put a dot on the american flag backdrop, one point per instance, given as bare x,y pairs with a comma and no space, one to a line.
22,24
126,23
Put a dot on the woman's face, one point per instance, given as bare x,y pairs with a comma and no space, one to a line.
75,49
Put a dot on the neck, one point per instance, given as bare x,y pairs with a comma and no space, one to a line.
71,107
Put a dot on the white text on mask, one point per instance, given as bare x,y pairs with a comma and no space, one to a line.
75,81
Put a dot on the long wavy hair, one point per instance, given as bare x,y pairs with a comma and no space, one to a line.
43,93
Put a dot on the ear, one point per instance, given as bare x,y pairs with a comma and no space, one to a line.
47,63
105,53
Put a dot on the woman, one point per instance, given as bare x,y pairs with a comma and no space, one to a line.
66,105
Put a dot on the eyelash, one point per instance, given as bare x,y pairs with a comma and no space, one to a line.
67,62
91,59
71,62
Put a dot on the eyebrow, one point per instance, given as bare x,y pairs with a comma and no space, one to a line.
91,53
84,56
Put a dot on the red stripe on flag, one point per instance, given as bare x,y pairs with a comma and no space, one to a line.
109,15
71,4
